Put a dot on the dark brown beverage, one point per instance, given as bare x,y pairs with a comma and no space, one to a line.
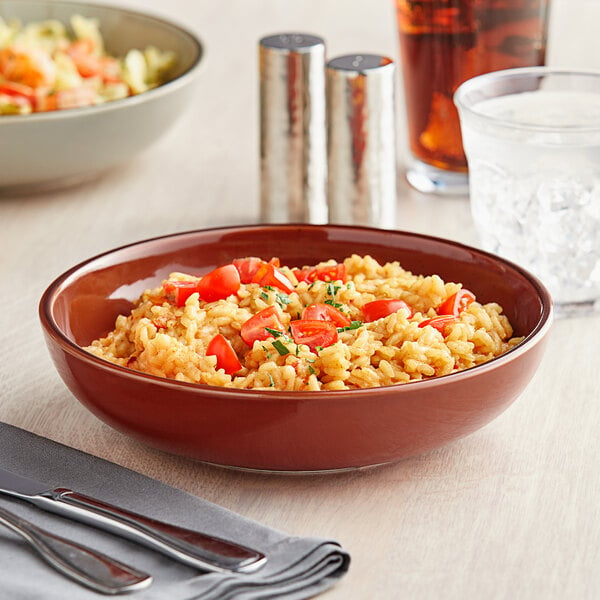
445,42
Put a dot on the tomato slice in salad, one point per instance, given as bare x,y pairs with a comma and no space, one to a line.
440,322
325,312
256,328
456,303
227,359
336,272
219,283
11,88
81,52
177,292
314,333
377,309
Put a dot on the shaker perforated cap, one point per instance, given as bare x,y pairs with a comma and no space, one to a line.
293,160
361,147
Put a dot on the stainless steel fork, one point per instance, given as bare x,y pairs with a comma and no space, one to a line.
82,564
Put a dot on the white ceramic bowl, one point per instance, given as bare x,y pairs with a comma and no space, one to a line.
56,148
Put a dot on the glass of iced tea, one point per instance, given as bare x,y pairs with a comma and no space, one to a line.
442,44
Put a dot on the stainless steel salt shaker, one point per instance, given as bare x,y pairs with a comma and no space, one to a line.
293,159
361,145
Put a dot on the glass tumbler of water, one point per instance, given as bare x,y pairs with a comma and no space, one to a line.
532,141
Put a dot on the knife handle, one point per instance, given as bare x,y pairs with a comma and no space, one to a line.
193,548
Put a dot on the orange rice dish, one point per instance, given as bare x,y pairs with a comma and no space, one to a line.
256,324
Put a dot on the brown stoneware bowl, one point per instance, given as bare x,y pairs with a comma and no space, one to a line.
289,431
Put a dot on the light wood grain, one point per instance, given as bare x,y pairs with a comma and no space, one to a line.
509,512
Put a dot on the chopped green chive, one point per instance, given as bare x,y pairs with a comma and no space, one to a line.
271,380
311,370
280,347
264,296
353,325
282,299
332,289
274,332
332,303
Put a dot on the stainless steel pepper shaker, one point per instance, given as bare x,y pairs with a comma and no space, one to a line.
293,159
361,145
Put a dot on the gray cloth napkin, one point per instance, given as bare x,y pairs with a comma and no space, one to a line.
297,568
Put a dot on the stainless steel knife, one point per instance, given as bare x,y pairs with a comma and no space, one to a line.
193,548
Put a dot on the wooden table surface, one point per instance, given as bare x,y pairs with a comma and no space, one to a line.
511,511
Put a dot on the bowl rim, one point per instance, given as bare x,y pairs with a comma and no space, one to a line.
539,332
164,88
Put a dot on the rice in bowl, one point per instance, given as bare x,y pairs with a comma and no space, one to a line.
196,337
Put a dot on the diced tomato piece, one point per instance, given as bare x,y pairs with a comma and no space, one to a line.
456,303
256,327
269,274
31,66
11,88
247,267
75,97
384,307
18,104
219,284
440,322
336,272
22,97
110,69
47,103
82,54
227,359
325,312
87,65
301,275
81,46
314,333
178,292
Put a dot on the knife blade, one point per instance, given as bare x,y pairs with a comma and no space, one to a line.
194,548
